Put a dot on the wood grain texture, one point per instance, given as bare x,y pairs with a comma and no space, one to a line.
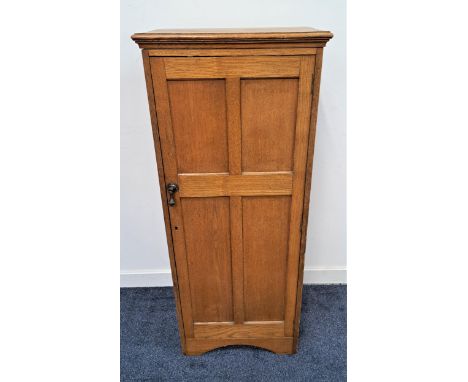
170,175
210,185
232,35
265,234
162,188
207,241
198,346
237,258
245,330
269,109
231,52
233,126
300,160
308,185
224,67
198,112
235,168
230,45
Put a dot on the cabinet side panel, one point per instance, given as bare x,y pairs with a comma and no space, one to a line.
198,111
308,184
268,123
162,182
265,236
300,158
207,239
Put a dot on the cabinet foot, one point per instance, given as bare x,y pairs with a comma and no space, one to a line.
198,346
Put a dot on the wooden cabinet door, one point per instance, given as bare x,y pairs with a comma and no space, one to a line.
234,135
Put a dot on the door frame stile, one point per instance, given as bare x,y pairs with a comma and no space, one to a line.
162,188
169,157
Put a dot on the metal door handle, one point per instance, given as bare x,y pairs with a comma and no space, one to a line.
172,188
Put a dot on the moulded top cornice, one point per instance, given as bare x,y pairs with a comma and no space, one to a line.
233,36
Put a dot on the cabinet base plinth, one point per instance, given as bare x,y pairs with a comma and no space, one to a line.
198,346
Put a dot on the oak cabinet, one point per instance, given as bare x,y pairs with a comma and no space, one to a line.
234,115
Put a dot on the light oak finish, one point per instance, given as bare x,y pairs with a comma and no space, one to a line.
234,115
162,188
231,52
207,245
233,96
279,345
225,36
308,183
210,185
268,124
193,103
232,45
266,231
245,330
224,67
300,159
170,170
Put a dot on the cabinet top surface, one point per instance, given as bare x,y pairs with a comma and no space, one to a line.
227,35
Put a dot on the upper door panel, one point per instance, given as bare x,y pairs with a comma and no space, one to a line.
198,112
268,110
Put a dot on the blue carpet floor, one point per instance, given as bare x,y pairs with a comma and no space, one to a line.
150,348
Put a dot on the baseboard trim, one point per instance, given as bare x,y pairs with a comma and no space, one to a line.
145,278
325,275
162,277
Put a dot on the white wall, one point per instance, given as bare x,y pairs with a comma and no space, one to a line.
144,258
